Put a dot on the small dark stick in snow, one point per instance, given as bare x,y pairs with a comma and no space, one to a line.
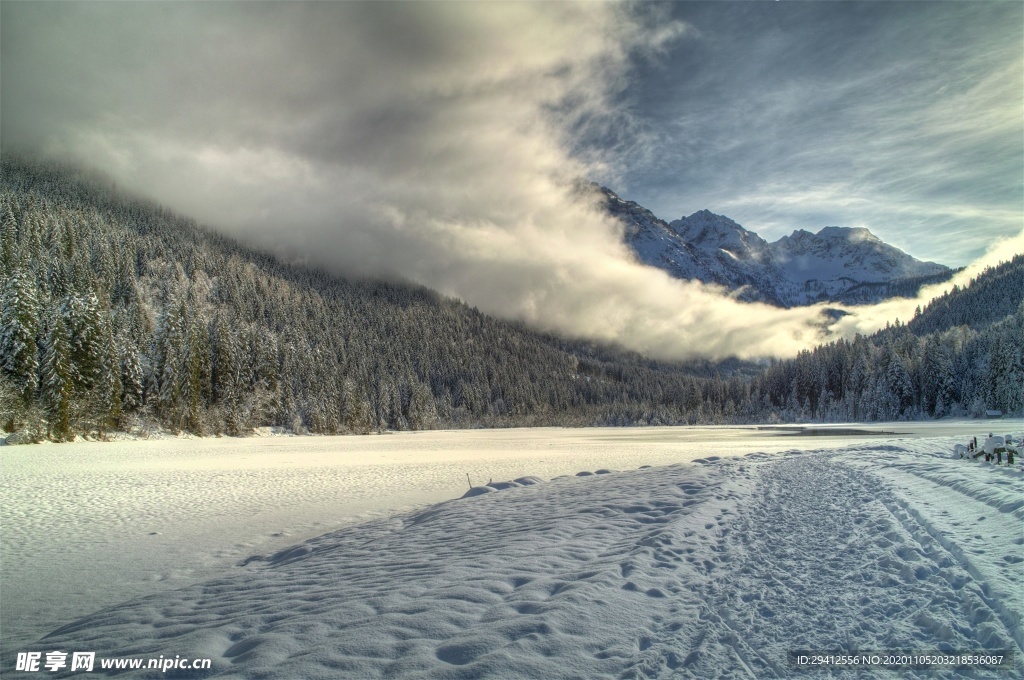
469,480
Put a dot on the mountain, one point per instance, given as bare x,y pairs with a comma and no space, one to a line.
117,313
837,264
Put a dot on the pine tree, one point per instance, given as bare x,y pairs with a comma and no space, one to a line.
901,387
358,416
57,385
223,361
109,389
195,377
170,362
422,413
19,325
132,379
85,324
1006,376
8,239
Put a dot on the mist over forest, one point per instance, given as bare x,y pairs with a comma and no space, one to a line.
120,314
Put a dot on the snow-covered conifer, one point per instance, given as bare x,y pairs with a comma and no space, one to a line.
19,326
56,384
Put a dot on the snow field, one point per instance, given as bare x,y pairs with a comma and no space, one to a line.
86,525
714,568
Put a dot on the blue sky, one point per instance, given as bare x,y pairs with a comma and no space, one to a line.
902,117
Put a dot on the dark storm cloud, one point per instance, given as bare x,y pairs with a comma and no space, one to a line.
901,117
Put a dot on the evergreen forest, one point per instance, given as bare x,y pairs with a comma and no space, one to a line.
118,314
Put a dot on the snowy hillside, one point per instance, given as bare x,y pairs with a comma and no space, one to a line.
115,313
795,270
715,568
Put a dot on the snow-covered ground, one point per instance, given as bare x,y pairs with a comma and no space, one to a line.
742,546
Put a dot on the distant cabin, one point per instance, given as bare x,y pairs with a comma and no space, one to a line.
993,414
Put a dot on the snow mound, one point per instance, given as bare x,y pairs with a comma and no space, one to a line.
492,486
478,491
501,486
272,431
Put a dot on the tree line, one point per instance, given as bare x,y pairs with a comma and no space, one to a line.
119,314
961,355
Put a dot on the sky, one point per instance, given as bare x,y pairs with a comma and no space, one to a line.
903,117
439,142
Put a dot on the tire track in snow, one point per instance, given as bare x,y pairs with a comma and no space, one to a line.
924,531
1007,500
929,480
699,638
822,558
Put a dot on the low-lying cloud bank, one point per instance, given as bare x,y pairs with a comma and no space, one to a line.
867,319
424,141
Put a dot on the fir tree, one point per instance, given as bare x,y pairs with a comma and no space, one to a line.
56,384
132,379
8,239
19,325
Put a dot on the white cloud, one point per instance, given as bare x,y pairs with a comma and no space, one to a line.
436,142
867,319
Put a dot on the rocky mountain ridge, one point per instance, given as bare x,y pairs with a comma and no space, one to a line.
837,264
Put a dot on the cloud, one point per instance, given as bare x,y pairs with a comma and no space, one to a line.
433,142
867,319
900,117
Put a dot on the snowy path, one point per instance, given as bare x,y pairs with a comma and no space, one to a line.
824,557
715,568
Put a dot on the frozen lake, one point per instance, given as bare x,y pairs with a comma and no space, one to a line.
88,525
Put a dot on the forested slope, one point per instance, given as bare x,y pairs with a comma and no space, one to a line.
961,355
117,312
986,300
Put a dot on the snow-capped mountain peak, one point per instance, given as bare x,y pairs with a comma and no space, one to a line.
828,239
848,253
849,234
706,229
837,263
